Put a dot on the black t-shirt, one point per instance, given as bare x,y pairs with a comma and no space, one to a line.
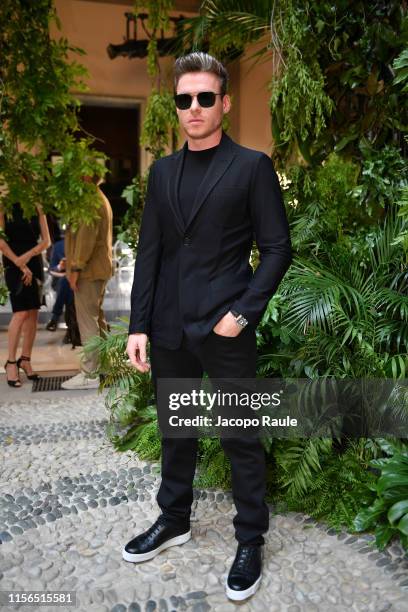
195,166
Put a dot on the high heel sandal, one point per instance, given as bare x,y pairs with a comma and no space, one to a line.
29,376
12,383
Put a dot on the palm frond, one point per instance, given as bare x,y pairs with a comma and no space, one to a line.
300,462
394,303
315,291
226,24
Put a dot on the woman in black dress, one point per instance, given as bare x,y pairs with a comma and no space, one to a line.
23,272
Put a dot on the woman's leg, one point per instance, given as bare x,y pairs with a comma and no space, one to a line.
29,333
14,332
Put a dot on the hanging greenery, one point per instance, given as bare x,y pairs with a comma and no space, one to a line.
160,124
39,117
332,80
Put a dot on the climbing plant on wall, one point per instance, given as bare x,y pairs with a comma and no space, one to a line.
160,123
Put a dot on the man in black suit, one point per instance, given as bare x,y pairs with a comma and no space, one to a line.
198,301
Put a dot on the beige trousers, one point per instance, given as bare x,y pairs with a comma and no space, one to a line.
90,317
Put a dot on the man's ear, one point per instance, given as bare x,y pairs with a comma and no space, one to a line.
226,103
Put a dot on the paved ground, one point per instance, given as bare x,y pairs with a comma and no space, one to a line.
68,503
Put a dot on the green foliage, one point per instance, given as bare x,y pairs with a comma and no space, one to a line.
160,118
386,509
129,392
332,85
299,462
227,25
350,315
160,122
3,292
314,478
135,196
214,469
299,80
129,398
319,202
400,66
342,312
276,342
38,117
341,55
158,11
160,125
144,438
402,238
383,175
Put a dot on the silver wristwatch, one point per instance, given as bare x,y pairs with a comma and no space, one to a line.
239,318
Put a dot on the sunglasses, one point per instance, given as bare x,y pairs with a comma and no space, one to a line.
206,99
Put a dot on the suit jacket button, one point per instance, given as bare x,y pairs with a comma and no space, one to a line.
187,241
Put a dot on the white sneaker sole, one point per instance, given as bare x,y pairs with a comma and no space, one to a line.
137,558
240,595
80,387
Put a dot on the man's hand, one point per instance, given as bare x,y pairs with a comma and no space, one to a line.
227,326
73,280
136,349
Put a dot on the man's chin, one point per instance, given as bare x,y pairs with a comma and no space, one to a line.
196,131
199,131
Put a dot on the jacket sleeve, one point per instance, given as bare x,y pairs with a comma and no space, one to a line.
272,237
149,250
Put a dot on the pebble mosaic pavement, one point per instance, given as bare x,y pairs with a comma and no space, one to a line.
69,502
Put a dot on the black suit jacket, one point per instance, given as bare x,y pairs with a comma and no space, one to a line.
190,275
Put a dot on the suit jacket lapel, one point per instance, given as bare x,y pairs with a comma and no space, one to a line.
173,188
219,164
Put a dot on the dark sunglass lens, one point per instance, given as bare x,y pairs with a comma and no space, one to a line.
183,101
206,99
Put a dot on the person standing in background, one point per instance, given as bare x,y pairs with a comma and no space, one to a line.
65,295
88,253
24,276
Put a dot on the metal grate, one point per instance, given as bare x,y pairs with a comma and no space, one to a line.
49,383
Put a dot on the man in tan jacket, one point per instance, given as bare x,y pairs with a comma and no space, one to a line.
88,253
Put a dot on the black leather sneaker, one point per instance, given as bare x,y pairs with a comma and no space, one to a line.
245,573
158,537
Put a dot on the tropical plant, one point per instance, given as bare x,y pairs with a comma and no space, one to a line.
312,476
343,313
386,510
127,389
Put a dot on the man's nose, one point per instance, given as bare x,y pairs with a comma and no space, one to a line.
194,104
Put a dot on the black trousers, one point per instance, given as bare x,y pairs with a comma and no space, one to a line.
220,357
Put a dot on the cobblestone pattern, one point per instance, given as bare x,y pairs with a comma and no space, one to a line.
66,510
53,432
